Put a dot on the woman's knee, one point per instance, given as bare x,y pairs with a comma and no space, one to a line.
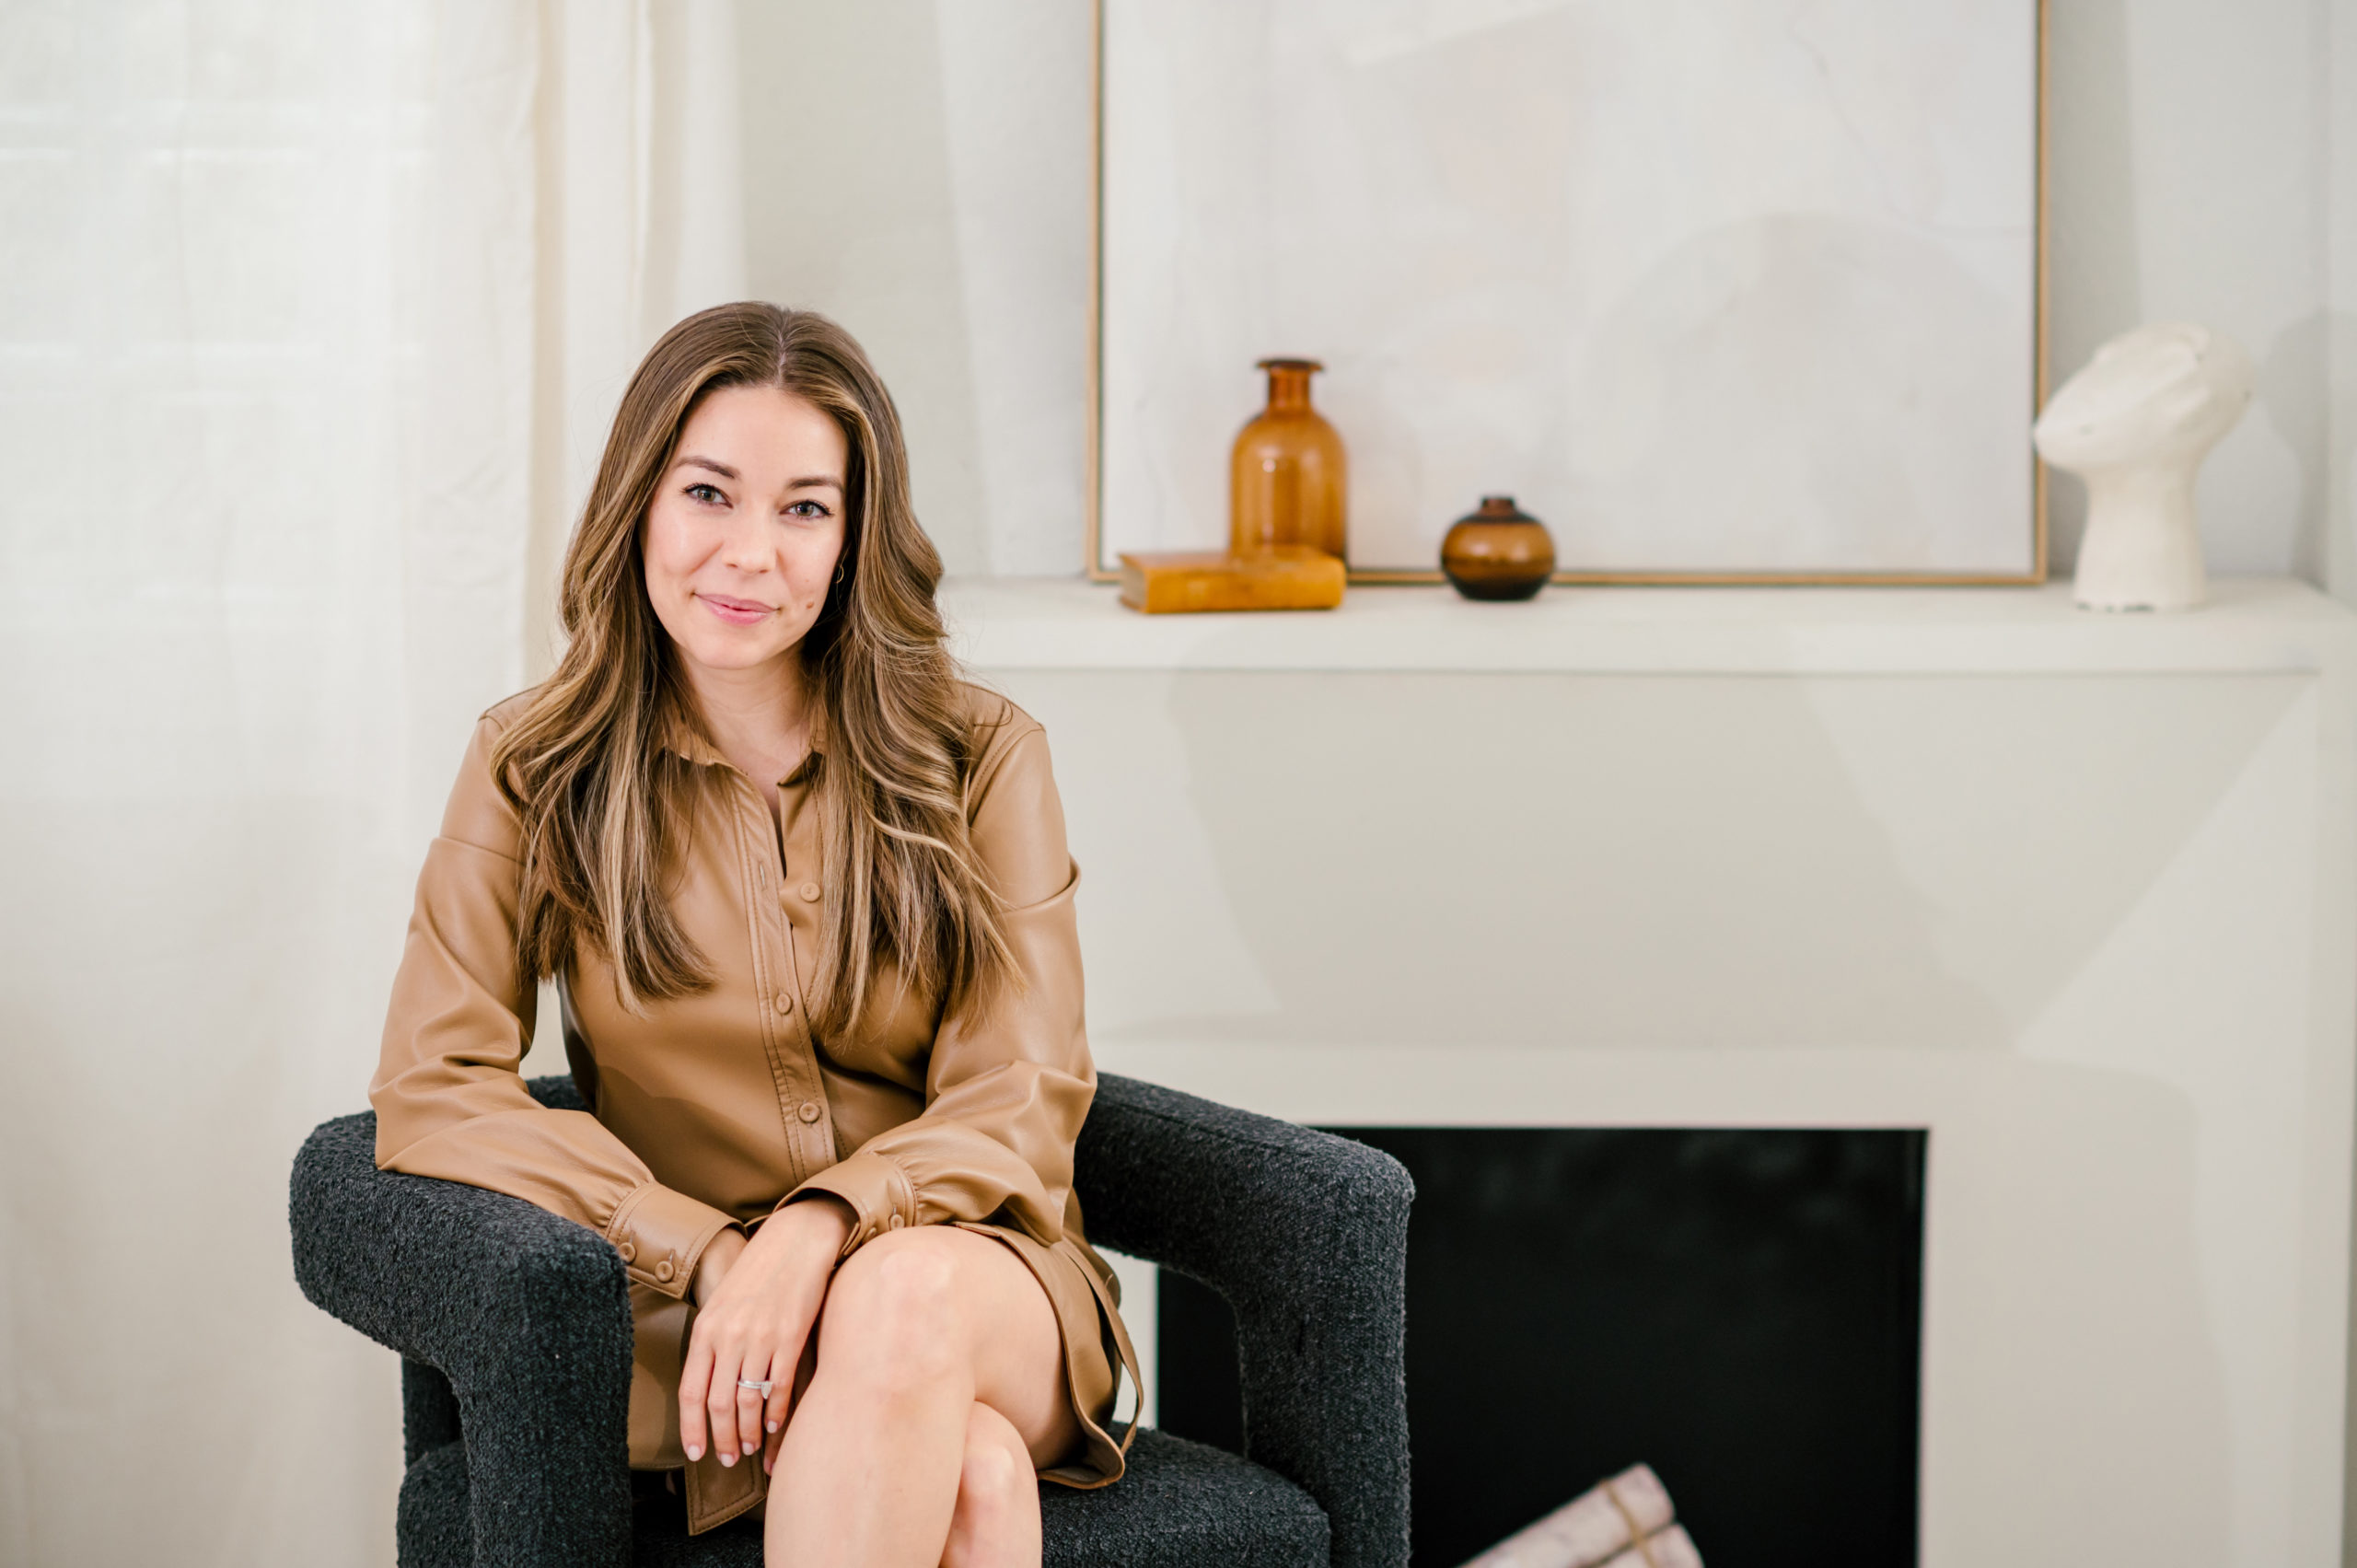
893,1310
998,1496
996,1469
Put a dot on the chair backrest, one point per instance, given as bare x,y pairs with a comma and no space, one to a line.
1305,1235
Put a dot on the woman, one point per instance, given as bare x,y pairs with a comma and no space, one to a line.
807,902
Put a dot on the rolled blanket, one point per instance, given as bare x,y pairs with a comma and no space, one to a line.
1671,1548
1626,1522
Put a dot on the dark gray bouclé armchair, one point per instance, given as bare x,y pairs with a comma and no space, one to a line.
515,1333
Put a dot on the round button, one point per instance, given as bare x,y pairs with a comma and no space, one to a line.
629,1252
785,1002
809,1111
809,891
663,1269
893,1224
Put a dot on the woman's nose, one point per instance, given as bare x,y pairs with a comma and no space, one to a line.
743,546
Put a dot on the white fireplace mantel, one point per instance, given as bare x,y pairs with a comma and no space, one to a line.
2077,892
2252,623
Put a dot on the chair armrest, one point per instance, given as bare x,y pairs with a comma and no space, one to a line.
525,1313
1305,1235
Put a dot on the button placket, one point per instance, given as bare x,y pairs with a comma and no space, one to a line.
804,1102
761,867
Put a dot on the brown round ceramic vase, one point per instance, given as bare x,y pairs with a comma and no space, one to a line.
1498,553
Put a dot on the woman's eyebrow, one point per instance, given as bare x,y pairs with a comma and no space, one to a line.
807,482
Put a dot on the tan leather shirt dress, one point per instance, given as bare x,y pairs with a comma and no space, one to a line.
718,1108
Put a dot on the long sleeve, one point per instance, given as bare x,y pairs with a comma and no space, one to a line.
1006,1092
450,1100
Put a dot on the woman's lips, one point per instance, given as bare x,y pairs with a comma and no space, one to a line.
735,611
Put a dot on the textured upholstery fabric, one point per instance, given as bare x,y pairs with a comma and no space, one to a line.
1181,1505
515,1329
1306,1235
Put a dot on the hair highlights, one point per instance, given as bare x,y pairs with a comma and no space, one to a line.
602,803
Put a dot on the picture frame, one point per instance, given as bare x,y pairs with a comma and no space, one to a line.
2011,551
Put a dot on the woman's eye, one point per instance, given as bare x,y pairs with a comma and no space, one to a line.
807,509
707,494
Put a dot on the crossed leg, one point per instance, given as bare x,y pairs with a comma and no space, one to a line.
938,1390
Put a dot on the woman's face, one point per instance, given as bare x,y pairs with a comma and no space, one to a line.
746,526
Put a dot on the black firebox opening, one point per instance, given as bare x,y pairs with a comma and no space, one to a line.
1740,1309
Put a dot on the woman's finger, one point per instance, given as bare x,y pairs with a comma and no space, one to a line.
781,1400
720,1401
752,1401
695,1377
783,1397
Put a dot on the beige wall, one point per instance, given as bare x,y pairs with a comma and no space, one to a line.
2192,176
921,173
2190,179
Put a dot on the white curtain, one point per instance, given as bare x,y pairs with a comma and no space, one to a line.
312,313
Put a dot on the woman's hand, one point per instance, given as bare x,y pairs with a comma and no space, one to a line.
756,1302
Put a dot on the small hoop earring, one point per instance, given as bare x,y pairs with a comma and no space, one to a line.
838,574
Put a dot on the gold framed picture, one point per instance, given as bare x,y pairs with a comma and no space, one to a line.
1722,291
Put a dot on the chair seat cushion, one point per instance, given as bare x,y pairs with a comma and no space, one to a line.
1181,1505
1185,1504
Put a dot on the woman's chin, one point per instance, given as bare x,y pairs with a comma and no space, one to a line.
727,653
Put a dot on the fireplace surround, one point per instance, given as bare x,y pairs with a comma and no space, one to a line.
2073,893
1739,1308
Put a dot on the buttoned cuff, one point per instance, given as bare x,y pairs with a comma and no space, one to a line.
881,1194
660,1235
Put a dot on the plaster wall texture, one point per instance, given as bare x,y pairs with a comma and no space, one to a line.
921,170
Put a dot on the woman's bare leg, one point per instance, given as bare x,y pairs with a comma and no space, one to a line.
919,1328
996,1524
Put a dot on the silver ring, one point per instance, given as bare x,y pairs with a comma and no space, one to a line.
763,1386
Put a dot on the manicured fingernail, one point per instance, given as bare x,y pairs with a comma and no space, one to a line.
694,1453
726,1458
773,1426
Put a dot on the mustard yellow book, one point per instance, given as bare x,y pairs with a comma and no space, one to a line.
1291,577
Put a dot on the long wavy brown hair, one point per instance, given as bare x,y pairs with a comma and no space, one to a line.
604,807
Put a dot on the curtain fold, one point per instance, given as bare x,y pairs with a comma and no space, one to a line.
311,316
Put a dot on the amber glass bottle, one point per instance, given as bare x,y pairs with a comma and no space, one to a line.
1287,479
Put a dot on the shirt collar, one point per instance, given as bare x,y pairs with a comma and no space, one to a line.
684,738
